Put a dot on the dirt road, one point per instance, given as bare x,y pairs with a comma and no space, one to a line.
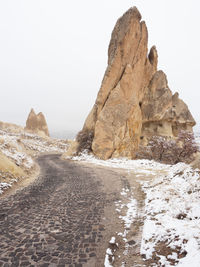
65,218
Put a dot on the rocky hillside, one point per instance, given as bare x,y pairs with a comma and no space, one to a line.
134,101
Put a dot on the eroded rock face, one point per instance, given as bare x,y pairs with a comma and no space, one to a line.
134,101
36,123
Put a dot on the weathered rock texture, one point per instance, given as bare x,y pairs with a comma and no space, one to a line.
36,123
134,101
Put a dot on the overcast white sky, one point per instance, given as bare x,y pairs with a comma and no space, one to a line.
53,54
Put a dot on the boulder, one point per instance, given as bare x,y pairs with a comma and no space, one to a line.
72,150
36,123
134,101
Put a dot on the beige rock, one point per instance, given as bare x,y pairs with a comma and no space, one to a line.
196,162
73,146
36,123
134,101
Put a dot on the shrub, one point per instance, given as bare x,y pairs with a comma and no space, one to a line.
84,139
170,151
188,146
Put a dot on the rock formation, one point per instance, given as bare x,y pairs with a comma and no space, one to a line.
36,123
134,101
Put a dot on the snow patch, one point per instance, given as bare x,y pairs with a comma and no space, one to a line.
4,186
173,216
135,166
109,257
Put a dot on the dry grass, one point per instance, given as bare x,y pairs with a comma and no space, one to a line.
6,165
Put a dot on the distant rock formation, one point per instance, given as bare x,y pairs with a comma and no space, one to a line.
36,123
134,101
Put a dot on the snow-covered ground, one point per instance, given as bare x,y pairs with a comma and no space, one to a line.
129,203
40,145
11,147
172,217
171,232
4,186
137,166
21,148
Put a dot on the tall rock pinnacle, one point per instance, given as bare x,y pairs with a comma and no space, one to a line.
36,123
134,101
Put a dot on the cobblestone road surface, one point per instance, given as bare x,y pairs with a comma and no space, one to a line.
56,220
